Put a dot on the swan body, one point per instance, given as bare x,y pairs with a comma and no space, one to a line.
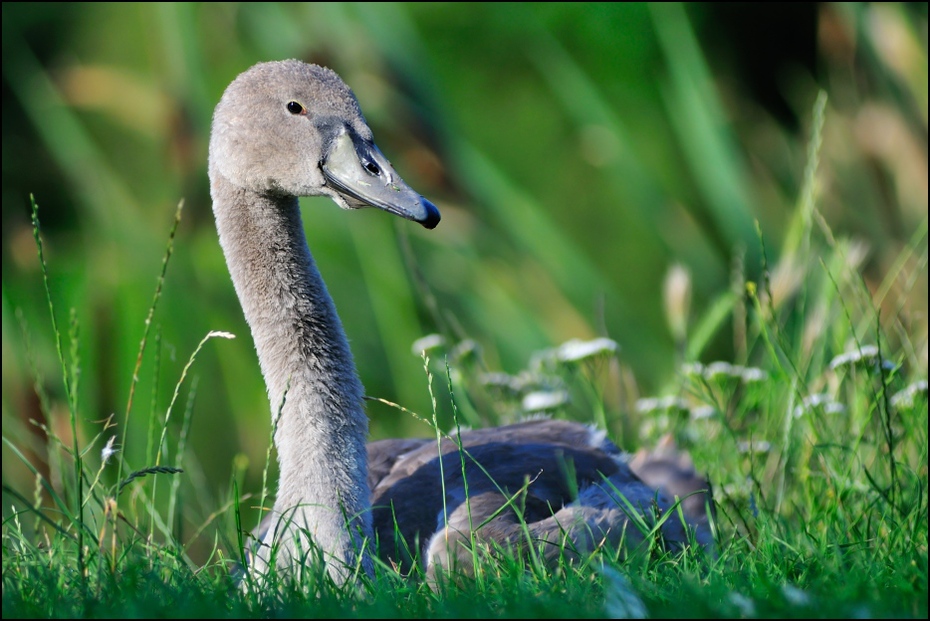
288,129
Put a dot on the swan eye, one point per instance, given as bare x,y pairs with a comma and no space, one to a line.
372,168
294,108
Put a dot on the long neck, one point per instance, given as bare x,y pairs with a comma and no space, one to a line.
315,394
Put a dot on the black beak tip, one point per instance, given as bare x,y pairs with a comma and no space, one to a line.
432,214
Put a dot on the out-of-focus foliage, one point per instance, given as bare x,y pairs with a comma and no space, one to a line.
577,152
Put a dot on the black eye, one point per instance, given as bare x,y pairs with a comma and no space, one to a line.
372,168
294,108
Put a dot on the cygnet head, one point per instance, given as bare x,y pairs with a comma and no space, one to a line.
294,129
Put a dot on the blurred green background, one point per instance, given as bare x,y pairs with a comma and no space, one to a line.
577,151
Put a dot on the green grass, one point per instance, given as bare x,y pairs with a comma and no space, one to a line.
819,464
576,167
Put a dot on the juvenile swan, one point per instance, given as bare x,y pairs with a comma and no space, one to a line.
288,129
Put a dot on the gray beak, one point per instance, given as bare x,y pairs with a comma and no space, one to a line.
358,171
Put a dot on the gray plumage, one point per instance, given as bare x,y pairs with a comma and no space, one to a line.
288,129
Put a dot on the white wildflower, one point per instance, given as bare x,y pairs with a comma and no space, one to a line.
427,344
853,356
907,397
822,401
657,404
693,369
720,369
465,349
753,374
703,412
759,446
540,401
577,350
867,356
574,350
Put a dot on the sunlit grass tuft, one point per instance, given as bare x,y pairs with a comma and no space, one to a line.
816,447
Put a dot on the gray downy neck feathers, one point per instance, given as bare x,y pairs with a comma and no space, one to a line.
282,130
